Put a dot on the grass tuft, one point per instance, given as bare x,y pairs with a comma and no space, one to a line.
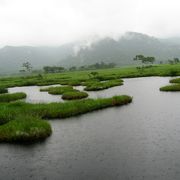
12,97
25,129
74,95
96,86
174,87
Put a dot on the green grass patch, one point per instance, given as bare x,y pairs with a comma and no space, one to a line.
22,122
59,110
173,87
12,97
25,129
57,90
96,86
177,80
74,95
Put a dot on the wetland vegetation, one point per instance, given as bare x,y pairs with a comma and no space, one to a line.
175,86
12,97
34,127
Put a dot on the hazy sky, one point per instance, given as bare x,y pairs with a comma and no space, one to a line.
53,22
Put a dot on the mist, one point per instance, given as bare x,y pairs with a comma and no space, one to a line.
55,22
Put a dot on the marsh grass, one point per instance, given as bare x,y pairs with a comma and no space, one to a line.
173,87
59,110
177,80
12,97
22,122
74,95
57,90
25,129
96,86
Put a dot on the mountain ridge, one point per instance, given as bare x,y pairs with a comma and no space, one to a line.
120,51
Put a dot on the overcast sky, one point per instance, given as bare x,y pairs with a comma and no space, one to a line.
54,22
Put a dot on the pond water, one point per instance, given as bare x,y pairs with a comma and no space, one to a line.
34,95
133,142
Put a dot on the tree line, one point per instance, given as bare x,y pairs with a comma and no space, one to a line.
56,69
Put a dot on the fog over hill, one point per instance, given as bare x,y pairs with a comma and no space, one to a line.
120,51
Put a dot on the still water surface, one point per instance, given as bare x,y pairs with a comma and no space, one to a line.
133,142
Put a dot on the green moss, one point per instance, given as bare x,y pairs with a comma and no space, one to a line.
24,129
96,86
74,95
12,97
174,87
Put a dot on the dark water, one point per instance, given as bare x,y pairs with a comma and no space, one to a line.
133,142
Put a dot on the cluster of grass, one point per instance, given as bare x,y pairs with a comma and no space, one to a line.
3,90
96,86
67,92
177,80
25,129
58,89
70,95
173,87
77,77
22,122
12,97
59,110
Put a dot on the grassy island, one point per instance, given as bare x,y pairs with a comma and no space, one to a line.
177,80
96,86
173,87
12,97
22,121
58,90
24,129
70,95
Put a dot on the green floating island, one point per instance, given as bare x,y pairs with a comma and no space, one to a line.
97,86
177,80
58,90
173,87
70,95
67,92
23,122
12,97
25,129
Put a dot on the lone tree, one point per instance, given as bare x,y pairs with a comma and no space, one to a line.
27,65
144,60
